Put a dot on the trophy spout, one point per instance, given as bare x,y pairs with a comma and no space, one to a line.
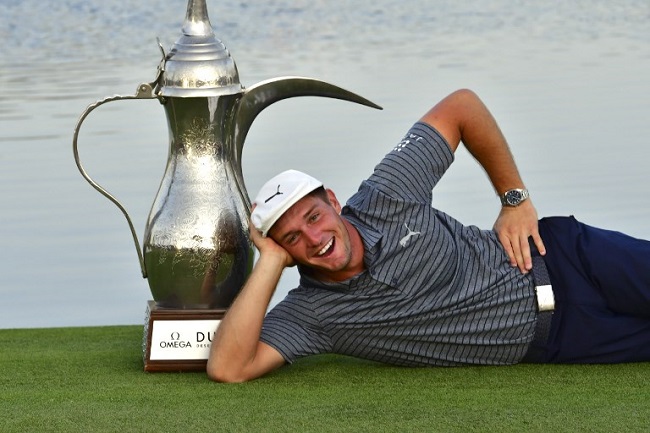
265,93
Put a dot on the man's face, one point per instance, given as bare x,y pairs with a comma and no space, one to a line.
314,234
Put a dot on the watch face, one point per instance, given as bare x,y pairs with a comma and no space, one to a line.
513,197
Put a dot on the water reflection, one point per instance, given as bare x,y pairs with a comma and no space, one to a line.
567,81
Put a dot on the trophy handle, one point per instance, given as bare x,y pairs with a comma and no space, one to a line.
145,91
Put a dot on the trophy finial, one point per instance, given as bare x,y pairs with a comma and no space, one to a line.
197,22
199,65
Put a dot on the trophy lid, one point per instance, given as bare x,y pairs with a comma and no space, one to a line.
199,64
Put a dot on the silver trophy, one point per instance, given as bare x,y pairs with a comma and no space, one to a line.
196,253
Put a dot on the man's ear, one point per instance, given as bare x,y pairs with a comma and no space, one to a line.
333,200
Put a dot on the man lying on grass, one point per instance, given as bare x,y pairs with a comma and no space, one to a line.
389,278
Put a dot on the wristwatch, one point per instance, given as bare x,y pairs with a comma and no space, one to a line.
514,197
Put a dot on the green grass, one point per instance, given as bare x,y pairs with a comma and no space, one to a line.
91,380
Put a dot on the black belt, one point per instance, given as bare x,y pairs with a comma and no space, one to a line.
545,307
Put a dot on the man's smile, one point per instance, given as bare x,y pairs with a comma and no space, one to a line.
326,248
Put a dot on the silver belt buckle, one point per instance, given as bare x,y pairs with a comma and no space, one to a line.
545,298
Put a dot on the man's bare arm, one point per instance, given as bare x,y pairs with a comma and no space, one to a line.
462,117
237,354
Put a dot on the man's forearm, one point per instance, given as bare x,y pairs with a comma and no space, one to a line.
237,337
462,117
485,141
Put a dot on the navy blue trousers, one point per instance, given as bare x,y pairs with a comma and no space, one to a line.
601,282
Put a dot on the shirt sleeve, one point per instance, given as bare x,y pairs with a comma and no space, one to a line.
414,166
292,328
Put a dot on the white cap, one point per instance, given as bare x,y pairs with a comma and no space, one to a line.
278,194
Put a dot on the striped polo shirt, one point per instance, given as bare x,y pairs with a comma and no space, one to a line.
435,292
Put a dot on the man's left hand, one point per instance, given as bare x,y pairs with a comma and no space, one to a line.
513,227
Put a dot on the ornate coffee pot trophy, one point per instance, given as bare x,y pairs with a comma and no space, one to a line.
196,252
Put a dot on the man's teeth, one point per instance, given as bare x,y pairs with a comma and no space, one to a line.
326,247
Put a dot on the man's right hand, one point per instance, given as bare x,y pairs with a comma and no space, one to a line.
268,247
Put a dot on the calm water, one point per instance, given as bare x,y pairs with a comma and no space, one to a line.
568,81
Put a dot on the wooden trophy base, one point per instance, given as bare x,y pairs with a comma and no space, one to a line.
176,339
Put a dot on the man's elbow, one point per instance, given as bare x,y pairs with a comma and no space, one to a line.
224,367
224,375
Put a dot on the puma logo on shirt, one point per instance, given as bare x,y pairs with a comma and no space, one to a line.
405,240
